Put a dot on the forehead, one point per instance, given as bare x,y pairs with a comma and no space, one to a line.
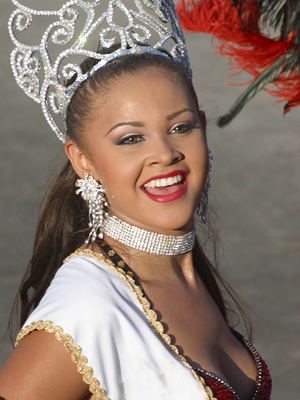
146,88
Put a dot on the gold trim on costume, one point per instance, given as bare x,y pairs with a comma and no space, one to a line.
149,313
75,350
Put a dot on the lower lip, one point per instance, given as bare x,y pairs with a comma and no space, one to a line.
168,197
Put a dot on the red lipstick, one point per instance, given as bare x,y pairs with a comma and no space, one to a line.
164,176
165,198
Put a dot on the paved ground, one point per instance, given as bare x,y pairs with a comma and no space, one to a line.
256,188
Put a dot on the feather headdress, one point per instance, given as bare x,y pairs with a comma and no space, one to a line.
241,28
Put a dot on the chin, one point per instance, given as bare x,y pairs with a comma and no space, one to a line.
158,222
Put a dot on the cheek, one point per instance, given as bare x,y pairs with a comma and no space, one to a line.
118,175
102,166
198,153
198,160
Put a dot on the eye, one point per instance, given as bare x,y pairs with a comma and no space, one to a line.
129,139
182,128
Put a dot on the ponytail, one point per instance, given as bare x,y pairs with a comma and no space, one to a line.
61,229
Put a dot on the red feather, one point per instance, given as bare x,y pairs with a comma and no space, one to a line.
242,41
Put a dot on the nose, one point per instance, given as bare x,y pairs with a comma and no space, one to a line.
164,151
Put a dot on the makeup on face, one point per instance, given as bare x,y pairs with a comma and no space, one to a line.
148,147
166,187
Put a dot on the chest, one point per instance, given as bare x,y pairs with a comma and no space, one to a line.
191,318
197,328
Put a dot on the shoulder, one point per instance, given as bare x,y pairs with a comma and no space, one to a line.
84,273
86,289
86,266
83,308
32,371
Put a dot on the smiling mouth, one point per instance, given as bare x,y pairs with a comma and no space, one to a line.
164,186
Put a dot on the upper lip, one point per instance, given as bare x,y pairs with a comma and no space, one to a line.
164,176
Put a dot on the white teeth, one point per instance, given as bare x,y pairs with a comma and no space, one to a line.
172,180
150,184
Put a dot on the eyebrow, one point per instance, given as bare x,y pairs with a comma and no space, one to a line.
175,114
129,123
141,124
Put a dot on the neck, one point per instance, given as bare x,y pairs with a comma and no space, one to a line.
152,268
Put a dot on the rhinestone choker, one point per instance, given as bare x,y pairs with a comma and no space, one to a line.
150,242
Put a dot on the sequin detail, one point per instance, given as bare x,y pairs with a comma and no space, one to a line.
223,391
75,350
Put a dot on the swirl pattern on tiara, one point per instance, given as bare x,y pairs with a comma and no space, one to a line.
75,32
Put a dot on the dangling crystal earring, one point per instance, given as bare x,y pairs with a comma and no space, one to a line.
203,205
93,193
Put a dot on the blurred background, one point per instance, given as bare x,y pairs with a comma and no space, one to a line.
255,189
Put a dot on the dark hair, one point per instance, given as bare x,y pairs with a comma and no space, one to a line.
63,219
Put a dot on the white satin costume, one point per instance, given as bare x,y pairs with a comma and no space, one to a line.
112,334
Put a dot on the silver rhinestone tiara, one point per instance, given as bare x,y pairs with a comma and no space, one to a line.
75,32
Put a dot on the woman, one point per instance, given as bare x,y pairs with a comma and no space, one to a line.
136,304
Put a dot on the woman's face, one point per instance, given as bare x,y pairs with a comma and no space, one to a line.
147,145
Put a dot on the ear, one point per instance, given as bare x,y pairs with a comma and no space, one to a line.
79,160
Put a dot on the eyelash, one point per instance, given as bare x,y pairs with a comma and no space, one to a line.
135,138
124,139
186,125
